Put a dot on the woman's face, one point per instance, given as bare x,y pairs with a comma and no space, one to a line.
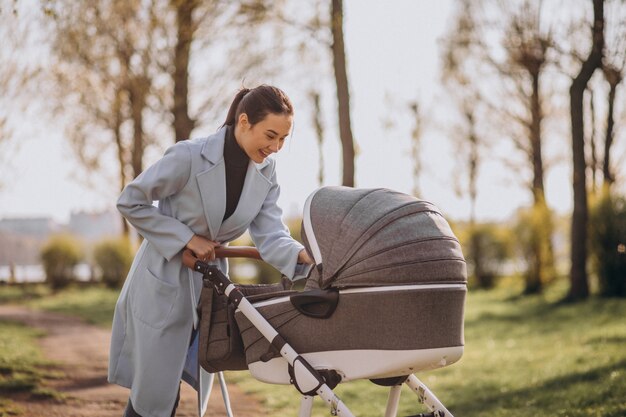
264,138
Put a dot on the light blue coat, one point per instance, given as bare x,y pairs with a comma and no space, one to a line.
155,313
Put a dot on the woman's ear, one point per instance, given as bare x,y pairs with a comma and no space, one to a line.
243,121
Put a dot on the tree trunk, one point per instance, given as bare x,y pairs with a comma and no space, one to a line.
416,136
614,77
120,152
535,140
343,94
319,132
137,104
592,142
541,264
579,286
183,123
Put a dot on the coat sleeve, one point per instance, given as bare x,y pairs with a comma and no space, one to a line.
161,180
272,238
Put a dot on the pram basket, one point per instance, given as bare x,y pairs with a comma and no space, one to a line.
385,300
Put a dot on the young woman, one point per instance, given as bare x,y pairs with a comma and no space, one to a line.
210,191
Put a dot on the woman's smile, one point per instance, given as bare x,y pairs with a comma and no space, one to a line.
264,138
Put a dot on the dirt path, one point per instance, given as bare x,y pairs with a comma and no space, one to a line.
81,351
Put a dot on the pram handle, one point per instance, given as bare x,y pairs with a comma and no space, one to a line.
189,259
237,252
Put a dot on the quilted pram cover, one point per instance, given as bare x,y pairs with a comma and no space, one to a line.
399,277
378,237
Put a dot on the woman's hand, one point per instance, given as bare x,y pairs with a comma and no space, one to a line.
304,258
202,248
189,259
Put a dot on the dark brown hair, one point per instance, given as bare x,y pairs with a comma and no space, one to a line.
258,103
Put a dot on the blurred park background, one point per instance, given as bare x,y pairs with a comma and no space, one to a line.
508,115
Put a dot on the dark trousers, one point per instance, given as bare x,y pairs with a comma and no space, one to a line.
130,411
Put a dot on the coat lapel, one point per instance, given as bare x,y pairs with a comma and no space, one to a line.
253,194
212,183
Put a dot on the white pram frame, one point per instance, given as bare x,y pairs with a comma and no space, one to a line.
306,379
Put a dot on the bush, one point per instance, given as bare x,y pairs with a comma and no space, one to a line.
607,236
534,238
114,257
486,247
59,256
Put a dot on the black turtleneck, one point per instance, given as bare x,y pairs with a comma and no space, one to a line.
236,162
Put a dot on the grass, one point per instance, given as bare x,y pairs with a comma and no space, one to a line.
22,367
523,356
92,303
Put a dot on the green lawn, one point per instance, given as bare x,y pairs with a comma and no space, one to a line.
92,303
22,368
524,356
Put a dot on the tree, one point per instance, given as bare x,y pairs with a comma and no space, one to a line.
123,72
186,28
343,92
416,138
579,288
319,132
16,72
613,67
457,49
105,72
316,29
514,66
464,93
197,28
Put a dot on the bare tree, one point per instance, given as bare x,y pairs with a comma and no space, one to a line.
614,76
17,71
124,72
416,139
463,91
613,67
105,65
319,133
593,163
514,66
578,274
457,49
315,35
343,92
206,64
186,26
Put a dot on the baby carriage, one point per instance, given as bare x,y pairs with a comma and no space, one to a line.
384,300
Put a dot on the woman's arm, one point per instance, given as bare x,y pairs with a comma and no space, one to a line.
272,238
163,179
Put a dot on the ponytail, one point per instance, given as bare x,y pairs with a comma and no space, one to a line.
258,103
232,111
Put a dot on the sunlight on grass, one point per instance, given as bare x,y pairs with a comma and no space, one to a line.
523,356
22,368
93,304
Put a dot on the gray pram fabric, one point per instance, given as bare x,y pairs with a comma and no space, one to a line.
402,319
379,237
368,240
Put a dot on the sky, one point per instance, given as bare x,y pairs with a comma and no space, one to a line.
393,57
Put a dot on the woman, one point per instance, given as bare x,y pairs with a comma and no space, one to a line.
210,191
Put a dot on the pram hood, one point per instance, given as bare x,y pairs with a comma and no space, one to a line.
378,237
